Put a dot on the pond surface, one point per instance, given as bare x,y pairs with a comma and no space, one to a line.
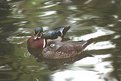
98,19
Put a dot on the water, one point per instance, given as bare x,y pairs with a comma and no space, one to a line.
96,19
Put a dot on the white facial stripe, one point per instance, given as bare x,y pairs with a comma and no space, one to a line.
36,37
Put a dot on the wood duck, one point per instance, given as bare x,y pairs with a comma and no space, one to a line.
65,52
37,42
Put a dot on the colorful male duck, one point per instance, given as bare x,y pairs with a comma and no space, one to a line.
37,42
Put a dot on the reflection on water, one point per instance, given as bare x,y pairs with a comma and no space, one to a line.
96,19
87,69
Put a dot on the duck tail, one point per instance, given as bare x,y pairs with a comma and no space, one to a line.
64,30
87,43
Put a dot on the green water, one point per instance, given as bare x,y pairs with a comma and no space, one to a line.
98,19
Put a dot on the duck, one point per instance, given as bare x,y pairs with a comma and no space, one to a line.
37,42
58,52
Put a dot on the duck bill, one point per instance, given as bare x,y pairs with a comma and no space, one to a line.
38,35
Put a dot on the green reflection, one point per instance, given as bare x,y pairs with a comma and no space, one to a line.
19,17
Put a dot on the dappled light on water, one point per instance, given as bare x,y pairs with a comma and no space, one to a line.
100,20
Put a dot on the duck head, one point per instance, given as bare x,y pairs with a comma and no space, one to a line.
38,32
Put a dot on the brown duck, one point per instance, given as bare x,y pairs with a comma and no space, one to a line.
65,52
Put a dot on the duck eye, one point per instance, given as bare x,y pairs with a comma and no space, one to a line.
52,45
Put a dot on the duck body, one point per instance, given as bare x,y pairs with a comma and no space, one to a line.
64,51
55,33
35,46
51,34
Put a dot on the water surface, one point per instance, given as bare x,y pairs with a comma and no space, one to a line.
96,19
